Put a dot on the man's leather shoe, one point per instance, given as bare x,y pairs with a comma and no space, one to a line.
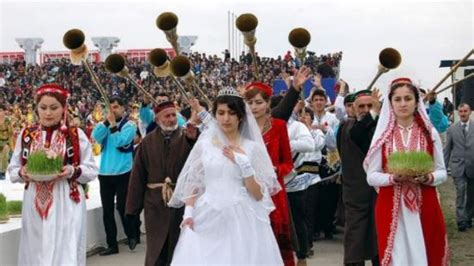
469,224
109,251
132,243
462,227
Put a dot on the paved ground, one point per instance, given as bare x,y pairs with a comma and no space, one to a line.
327,252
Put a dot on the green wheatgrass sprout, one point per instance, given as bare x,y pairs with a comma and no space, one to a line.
3,208
39,164
14,207
413,163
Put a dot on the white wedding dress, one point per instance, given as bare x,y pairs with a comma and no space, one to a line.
230,226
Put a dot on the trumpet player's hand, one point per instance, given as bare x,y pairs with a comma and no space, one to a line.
195,106
429,96
111,119
298,107
376,106
146,100
301,76
241,90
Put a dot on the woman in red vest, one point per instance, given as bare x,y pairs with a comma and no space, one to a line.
275,136
409,221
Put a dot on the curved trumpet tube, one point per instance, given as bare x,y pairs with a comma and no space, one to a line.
74,40
456,82
167,22
247,24
454,68
299,39
389,58
180,67
115,63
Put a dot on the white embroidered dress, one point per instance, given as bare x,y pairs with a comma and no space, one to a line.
409,244
60,237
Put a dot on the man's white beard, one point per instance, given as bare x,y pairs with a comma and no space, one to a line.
168,129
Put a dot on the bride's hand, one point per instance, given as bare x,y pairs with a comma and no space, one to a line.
189,222
229,153
237,149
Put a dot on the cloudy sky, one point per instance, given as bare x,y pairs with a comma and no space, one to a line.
424,32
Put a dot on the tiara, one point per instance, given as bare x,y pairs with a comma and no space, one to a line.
229,91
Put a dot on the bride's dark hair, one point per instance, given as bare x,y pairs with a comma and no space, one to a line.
234,103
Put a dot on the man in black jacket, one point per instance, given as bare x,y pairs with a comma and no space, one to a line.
353,141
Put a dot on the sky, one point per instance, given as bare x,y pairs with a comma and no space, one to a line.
424,32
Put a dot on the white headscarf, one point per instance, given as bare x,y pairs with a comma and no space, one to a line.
387,122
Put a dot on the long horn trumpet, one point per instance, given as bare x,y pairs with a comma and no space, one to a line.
456,82
74,40
167,22
300,39
115,63
180,66
159,59
389,58
247,24
454,68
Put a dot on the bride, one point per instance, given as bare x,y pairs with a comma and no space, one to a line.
226,186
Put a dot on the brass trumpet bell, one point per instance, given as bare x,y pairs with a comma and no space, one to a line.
159,59
74,40
247,24
180,66
390,58
167,22
299,39
115,63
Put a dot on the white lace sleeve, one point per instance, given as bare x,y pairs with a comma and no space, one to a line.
265,176
191,179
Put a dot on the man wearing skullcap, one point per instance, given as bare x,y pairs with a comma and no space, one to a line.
158,161
353,140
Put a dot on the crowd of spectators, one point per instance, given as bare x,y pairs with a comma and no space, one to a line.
17,80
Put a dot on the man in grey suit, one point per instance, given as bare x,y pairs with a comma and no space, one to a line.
459,153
